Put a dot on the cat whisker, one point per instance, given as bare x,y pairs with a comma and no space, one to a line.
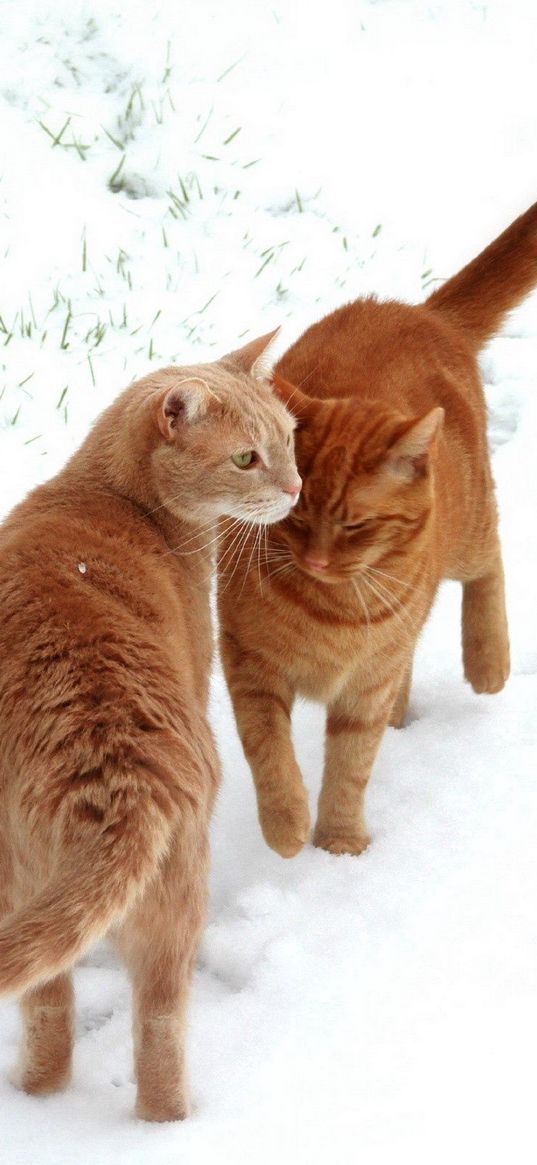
162,505
259,540
401,615
237,523
393,578
266,543
308,376
270,554
242,549
230,550
285,569
382,589
284,561
406,583
197,549
363,604
247,571
228,554
200,533
268,562
238,554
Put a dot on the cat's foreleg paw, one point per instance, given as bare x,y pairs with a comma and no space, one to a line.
487,665
286,825
336,842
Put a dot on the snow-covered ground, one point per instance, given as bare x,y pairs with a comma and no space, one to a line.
174,176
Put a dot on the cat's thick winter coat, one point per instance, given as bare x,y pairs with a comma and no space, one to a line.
108,768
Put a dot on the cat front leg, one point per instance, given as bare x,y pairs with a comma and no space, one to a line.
262,701
400,704
264,720
485,634
354,727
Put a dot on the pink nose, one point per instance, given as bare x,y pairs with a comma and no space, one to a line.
293,490
316,563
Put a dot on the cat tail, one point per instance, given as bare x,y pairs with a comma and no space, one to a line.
479,297
111,856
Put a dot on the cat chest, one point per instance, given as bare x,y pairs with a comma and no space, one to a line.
318,656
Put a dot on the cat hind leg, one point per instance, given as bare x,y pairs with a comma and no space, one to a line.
159,941
48,1020
46,1054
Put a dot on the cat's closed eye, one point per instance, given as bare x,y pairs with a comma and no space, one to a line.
354,527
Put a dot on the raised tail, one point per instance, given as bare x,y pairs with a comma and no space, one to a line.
104,872
479,297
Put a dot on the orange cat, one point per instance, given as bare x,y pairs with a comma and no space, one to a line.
397,495
108,768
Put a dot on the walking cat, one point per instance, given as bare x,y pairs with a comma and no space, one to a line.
108,769
398,494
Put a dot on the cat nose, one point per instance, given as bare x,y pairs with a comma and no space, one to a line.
293,491
316,563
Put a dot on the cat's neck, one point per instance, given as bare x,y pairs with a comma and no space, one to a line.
117,454
116,461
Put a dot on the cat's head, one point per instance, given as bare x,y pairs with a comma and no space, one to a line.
367,482
226,440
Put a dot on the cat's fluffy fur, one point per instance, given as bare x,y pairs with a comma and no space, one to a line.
398,494
108,768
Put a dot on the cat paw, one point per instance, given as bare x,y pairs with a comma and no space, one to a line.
286,827
398,717
40,1082
348,843
160,1109
488,669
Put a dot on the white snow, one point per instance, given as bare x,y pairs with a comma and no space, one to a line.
271,161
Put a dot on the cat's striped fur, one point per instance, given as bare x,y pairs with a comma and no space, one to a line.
391,440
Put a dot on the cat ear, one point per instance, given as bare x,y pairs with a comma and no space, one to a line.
182,405
254,358
300,405
408,456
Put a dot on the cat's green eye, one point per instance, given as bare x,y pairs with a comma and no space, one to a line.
244,460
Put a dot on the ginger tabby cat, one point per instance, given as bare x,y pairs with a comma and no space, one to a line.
108,769
398,495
